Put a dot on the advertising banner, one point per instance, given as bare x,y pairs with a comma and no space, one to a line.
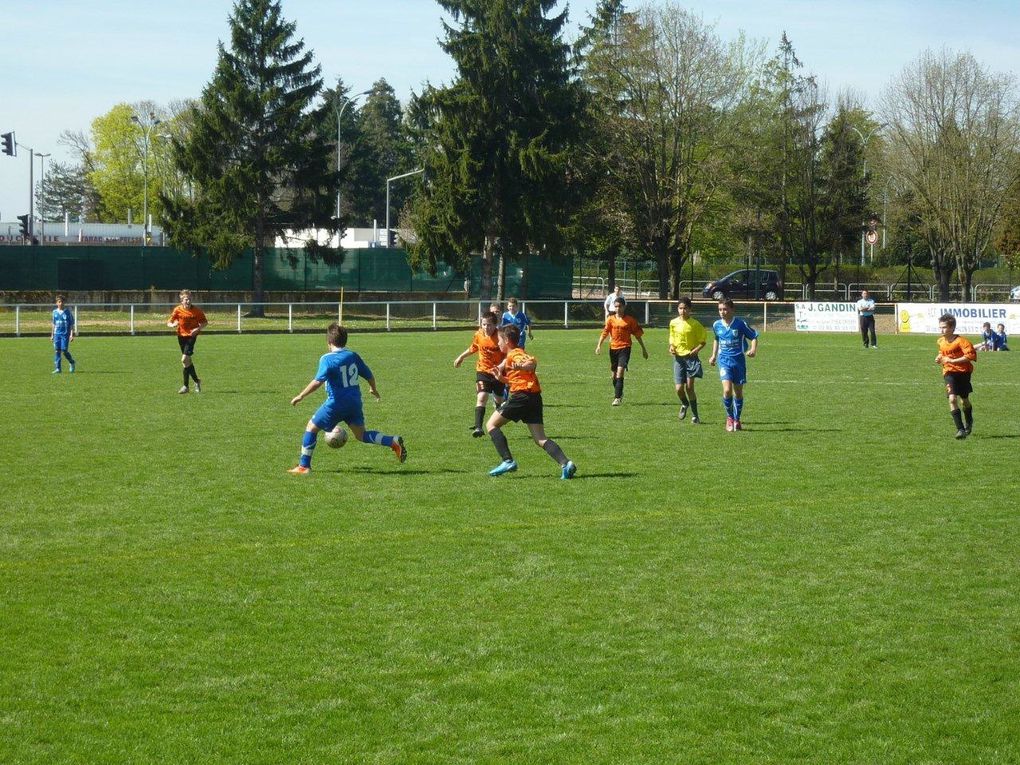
923,318
825,317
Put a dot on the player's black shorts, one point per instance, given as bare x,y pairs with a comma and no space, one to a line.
187,344
488,384
523,407
619,357
958,383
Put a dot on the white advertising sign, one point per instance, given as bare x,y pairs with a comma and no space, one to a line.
923,318
826,317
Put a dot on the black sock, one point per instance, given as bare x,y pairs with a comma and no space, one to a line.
502,447
554,451
185,377
958,419
968,416
694,407
618,387
479,415
194,375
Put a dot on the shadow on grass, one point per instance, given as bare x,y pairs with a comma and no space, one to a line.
397,471
997,436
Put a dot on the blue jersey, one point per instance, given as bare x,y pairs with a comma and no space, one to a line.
63,322
342,370
988,338
732,339
519,320
999,341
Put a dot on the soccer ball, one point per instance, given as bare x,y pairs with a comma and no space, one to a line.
336,438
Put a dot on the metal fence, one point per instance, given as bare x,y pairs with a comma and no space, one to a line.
385,316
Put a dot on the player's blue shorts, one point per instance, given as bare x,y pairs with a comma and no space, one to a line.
331,412
734,370
686,368
60,342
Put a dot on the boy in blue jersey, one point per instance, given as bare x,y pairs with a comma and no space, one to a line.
61,335
517,318
728,348
999,340
341,370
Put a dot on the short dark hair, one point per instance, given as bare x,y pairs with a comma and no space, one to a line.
512,333
726,302
337,335
685,301
948,318
491,316
60,296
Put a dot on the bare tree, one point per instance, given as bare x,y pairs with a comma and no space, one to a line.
672,87
953,128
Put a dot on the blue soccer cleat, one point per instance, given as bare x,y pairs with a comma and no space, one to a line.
568,471
506,466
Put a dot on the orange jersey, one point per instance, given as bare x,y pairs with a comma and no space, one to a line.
619,331
954,349
487,348
520,380
187,319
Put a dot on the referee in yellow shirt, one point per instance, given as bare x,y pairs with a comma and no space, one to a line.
687,337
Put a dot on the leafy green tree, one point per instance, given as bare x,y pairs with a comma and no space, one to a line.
603,229
259,163
844,201
116,171
498,144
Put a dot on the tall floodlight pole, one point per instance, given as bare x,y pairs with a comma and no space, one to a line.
388,180
864,150
339,111
42,180
146,130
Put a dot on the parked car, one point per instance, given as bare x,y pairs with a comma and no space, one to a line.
740,284
1014,294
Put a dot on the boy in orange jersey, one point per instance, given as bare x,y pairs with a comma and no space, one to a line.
486,344
619,329
523,405
956,356
189,321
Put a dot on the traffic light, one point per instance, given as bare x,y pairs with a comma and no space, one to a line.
391,239
9,143
24,229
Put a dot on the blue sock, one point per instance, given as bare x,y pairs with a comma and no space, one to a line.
56,360
738,407
307,447
375,437
727,404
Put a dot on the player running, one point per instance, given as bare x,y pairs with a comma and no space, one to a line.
341,370
189,320
957,355
61,335
620,328
486,344
523,405
728,348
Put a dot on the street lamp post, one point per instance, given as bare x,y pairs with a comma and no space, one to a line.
146,130
864,150
42,179
339,111
395,178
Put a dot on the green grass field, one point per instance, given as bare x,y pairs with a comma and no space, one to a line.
838,583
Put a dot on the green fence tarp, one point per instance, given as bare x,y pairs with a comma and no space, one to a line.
90,268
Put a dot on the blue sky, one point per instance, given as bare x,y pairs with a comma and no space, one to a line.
65,62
